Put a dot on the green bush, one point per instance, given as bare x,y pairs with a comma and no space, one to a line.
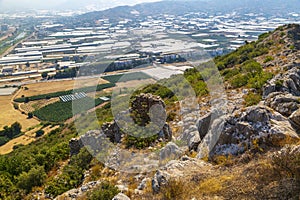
72,174
138,142
105,191
239,80
39,133
268,59
35,177
252,99
10,132
259,80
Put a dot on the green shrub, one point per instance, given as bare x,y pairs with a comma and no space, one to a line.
239,80
252,99
268,59
292,47
259,80
105,191
278,84
72,174
35,177
139,142
229,73
39,133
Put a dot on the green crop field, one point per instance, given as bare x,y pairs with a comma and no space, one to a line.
61,93
61,111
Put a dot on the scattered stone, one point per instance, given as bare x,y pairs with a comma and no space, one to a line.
295,117
112,131
158,180
170,151
121,196
143,184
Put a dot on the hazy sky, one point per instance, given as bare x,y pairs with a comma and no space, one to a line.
64,4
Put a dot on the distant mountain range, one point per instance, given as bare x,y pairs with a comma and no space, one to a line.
184,6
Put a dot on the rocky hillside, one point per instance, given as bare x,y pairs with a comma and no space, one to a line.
249,149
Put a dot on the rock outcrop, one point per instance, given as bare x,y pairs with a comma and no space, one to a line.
112,131
75,146
258,127
295,117
147,108
121,196
184,167
283,91
170,151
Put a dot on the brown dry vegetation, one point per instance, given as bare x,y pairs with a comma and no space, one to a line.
56,86
25,139
261,178
35,105
9,115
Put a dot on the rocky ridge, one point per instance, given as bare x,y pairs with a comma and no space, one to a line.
264,129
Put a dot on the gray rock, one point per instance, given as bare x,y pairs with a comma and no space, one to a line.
288,82
194,141
165,133
75,146
170,151
295,117
121,196
257,123
84,188
203,124
256,114
159,179
284,103
112,131
142,185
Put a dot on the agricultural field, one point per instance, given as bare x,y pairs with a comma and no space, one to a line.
25,139
88,89
126,77
35,105
9,115
57,86
61,111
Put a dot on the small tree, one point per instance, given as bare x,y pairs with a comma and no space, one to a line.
16,128
39,133
35,177
30,115
44,75
26,100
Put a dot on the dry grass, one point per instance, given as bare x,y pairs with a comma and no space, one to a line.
35,105
257,179
9,115
56,86
25,139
